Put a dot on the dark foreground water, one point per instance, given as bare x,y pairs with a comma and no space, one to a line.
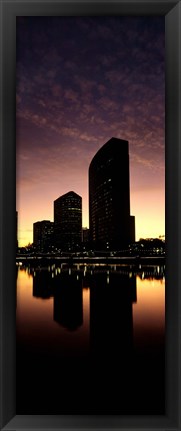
91,340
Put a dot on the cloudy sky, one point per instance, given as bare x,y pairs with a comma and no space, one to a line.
80,81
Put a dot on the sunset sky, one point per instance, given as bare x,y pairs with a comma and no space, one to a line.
80,81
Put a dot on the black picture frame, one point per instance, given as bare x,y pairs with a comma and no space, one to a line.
171,9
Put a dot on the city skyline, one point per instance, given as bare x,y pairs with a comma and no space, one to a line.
69,73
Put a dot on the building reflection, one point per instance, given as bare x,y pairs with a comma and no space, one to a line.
113,374
42,285
68,301
111,315
112,295
112,357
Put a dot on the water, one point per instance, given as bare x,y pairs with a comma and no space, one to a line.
90,339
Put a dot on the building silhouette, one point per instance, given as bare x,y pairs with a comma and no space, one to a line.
68,221
85,238
43,234
111,225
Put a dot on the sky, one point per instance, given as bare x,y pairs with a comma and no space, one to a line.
79,82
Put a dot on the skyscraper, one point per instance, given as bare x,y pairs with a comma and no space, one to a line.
68,221
85,235
43,234
111,226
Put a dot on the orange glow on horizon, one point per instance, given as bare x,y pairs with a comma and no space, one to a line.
146,206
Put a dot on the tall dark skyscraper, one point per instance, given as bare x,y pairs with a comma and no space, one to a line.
68,221
111,226
43,234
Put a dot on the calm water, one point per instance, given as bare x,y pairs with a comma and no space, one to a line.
87,333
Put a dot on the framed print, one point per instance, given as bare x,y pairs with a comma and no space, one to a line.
91,310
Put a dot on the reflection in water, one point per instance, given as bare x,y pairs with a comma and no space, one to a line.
109,339
111,335
68,302
111,317
42,286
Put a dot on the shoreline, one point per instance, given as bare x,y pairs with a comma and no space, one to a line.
135,260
